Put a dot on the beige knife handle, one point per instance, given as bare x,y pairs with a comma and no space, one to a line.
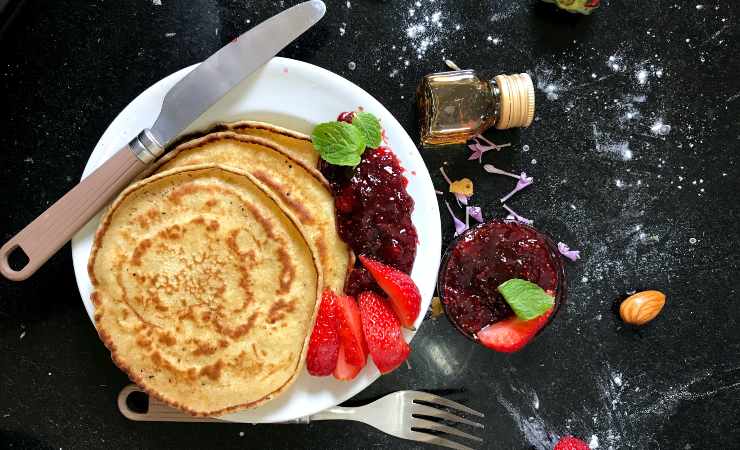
43,237
156,411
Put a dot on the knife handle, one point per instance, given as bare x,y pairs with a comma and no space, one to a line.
43,237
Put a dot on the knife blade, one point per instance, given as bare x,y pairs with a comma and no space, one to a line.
182,105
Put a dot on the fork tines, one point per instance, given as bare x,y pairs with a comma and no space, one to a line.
425,405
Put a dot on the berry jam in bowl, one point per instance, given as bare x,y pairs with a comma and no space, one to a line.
478,261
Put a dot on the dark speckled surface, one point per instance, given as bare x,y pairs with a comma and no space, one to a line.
647,210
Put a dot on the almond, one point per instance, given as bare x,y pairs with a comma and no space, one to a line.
641,308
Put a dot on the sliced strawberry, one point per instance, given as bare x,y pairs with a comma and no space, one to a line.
350,331
404,295
382,332
571,443
344,370
512,334
323,347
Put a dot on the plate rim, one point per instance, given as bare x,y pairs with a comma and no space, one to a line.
432,229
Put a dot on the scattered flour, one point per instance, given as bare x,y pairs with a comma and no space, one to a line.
604,144
659,128
425,27
593,442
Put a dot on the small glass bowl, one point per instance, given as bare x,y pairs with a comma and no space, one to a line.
560,289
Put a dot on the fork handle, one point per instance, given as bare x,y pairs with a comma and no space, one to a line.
158,411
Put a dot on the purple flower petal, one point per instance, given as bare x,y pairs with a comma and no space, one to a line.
490,168
459,224
523,182
444,174
479,149
564,250
461,198
514,216
476,213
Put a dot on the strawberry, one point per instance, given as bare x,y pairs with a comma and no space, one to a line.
382,332
323,347
511,334
571,443
344,370
350,331
403,293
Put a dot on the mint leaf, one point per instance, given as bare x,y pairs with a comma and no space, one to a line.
526,298
370,127
339,143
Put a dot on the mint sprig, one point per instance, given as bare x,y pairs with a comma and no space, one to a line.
338,143
370,127
526,298
342,144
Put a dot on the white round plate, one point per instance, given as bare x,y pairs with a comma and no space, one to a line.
294,95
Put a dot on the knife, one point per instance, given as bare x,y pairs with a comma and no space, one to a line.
184,103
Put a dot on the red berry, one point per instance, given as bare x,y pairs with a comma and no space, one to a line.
571,443
511,334
382,332
351,339
404,295
323,347
344,370
347,116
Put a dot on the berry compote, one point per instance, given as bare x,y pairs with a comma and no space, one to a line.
373,213
482,258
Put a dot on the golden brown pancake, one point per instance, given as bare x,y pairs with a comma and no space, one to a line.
296,145
301,191
205,291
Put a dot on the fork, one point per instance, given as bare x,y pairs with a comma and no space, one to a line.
404,414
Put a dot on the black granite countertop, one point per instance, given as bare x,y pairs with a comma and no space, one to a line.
634,151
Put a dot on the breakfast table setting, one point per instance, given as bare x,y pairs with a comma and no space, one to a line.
369,224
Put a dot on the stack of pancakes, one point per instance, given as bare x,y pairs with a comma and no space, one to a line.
207,273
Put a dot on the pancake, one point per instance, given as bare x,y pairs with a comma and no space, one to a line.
301,191
296,145
205,291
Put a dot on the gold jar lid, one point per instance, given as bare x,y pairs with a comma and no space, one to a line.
516,101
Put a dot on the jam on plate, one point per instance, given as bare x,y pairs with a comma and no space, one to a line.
373,213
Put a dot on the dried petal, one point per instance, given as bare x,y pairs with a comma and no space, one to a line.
464,186
564,250
523,182
459,225
490,168
514,216
462,199
476,213
444,174
478,148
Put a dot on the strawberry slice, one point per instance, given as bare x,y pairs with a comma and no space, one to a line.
404,295
344,370
511,334
323,347
382,332
350,331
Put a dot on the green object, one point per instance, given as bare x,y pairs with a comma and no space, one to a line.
339,143
576,6
370,127
526,298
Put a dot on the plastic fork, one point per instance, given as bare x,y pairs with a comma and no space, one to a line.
412,415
